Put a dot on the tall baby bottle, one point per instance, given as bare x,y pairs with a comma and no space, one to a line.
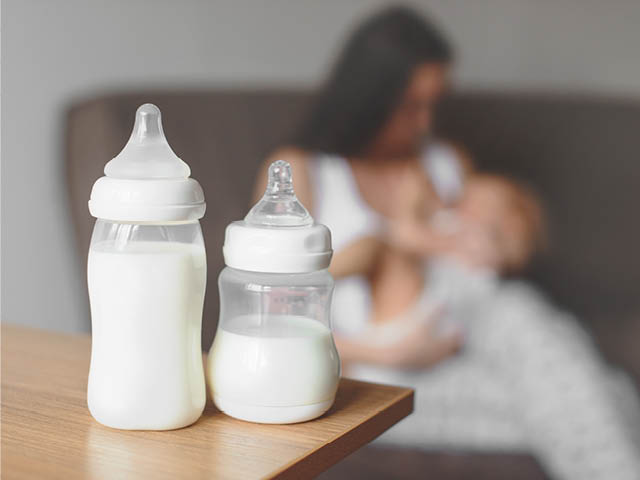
273,359
147,276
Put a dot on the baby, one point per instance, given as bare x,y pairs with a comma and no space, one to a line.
440,255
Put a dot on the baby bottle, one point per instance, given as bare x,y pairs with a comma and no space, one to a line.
146,276
273,359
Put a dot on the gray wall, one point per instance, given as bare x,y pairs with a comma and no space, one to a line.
54,52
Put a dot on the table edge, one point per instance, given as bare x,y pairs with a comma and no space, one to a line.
340,446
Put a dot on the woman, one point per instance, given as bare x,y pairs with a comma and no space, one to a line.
367,145
369,127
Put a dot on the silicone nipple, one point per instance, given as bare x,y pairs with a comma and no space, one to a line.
147,154
279,205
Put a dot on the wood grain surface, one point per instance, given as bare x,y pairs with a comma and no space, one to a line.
47,431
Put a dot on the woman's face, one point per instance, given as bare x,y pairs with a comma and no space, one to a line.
411,121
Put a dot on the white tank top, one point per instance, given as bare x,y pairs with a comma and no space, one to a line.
337,203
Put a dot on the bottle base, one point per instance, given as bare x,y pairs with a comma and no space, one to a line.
146,427
120,421
266,414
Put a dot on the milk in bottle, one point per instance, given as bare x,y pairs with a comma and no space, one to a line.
146,279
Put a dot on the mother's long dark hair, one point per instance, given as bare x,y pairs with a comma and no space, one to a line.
368,80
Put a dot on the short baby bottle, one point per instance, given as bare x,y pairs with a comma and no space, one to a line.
147,276
273,359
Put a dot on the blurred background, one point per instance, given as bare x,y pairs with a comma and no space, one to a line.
548,92
55,54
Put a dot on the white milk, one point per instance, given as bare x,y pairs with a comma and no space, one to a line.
281,361
146,308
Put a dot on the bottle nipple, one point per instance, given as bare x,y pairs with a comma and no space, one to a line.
279,206
147,154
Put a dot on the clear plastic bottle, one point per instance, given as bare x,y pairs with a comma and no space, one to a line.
273,359
146,279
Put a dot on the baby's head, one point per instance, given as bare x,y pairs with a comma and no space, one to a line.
507,215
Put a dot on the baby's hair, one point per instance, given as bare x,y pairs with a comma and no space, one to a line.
525,204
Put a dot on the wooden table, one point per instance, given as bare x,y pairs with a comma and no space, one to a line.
47,431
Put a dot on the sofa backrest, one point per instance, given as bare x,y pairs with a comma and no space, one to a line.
580,155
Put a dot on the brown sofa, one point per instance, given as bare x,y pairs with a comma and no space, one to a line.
580,154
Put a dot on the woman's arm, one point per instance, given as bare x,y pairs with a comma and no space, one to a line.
358,258
420,347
